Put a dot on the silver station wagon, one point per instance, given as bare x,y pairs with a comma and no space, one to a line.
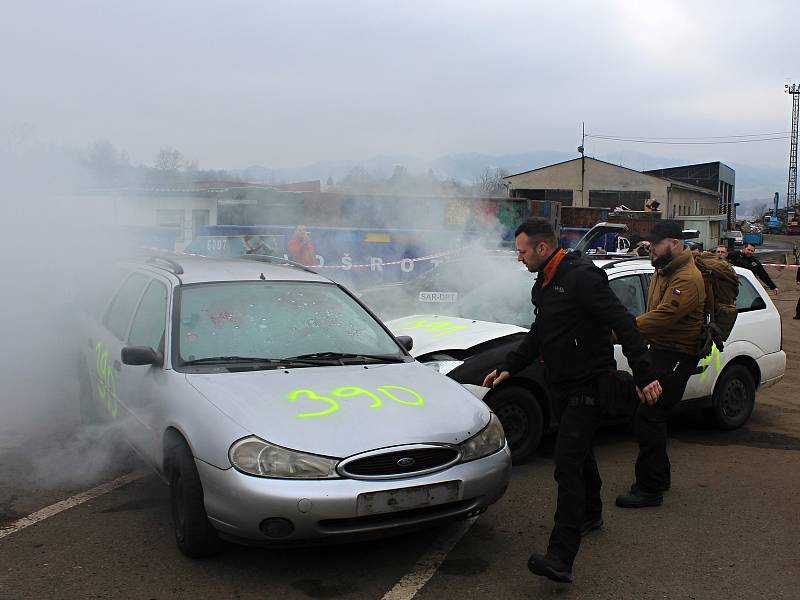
279,409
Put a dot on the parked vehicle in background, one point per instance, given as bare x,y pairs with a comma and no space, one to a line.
737,237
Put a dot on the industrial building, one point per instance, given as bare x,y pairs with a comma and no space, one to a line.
715,176
588,182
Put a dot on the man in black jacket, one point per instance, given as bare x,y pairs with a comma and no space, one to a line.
575,313
746,258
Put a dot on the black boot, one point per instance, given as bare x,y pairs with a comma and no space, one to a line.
550,567
664,487
637,498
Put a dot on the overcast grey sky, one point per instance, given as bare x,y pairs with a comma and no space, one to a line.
236,83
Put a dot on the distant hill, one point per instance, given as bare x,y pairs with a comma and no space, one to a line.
754,185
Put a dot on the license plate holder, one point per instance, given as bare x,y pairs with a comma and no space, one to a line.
387,501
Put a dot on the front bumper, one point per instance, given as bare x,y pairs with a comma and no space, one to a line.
327,510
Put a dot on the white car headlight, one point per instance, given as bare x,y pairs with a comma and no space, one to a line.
254,456
489,440
443,366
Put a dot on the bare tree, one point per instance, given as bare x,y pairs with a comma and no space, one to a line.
760,210
490,182
169,160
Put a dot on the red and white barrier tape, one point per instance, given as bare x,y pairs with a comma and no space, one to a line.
394,262
780,265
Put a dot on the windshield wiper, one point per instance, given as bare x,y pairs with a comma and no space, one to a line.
216,360
346,355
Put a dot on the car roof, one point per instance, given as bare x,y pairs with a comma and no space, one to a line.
190,268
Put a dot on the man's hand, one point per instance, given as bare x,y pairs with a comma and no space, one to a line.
775,291
493,378
650,393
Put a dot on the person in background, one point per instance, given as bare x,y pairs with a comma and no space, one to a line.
639,246
722,251
797,308
300,248
746,258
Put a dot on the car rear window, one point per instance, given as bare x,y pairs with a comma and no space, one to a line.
748,298
121,310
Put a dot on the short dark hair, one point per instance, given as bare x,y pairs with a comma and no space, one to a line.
537,227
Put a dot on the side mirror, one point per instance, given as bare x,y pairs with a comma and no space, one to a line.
406,342
142,355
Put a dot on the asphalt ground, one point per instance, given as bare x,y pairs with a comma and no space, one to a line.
728,529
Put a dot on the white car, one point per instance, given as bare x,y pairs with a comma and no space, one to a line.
458,339
736,236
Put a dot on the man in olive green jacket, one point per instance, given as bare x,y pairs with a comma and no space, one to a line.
672,325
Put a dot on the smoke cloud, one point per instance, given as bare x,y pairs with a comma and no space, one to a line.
68,222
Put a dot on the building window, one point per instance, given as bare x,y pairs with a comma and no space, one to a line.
171,219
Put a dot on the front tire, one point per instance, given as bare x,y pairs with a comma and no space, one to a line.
521,415
194,534
734,398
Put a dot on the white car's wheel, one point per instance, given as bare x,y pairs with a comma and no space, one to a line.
734,397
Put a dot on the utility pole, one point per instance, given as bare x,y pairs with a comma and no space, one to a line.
791,196
583,161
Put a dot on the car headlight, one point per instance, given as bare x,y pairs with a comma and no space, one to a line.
443,366
254,456
489,440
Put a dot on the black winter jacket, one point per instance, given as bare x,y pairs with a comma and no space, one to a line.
739,259
574,316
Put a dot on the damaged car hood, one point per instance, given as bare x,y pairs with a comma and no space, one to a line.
432,333
343,410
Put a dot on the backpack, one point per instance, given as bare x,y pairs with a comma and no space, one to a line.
722,287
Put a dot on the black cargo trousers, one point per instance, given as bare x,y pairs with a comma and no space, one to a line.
576,471
653,469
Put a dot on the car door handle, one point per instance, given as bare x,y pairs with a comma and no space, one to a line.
117,365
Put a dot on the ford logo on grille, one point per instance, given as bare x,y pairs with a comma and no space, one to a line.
405,462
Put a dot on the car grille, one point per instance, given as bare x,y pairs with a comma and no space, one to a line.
395,520
411,461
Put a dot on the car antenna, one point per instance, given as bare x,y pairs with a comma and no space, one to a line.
262,278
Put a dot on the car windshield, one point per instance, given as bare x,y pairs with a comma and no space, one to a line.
275,320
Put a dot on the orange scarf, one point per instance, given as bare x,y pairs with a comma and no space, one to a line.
549,270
